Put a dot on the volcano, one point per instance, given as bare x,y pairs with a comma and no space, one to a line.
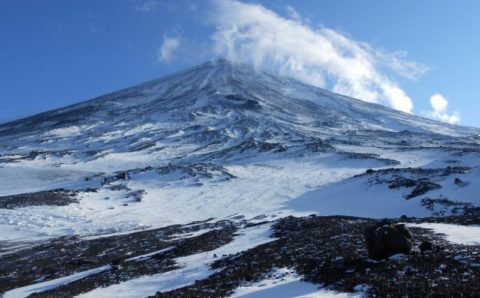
217,148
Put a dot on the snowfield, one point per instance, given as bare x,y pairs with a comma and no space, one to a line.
283,283
467,235
297,186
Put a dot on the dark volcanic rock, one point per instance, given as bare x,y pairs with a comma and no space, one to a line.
367,156
426,246
136,195
123,176
460,183
422,188
327,251
386,239
318,146
58,197
130,256
402,182
452,212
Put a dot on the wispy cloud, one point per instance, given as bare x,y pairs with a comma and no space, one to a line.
321,56
92,29
157,6
439,110
148,6
166,51
293,14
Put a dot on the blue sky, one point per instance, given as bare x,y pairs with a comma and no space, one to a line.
406,54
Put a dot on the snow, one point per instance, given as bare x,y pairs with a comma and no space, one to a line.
261,188
146,256
190,234
25,179
466,235
354,197
194,267
273,186
51,284
64,132
283,283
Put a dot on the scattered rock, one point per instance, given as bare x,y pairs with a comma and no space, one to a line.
318,146
136,195
422,188
402,182
326,251
427,246
367,156
119,187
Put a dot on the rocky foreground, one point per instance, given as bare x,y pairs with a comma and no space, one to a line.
328,251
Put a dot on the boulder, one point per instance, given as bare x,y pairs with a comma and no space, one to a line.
460,183
122,176
386,239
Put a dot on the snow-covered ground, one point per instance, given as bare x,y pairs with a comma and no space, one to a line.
285,283
51,284
194,267
289,185
467,235
272,187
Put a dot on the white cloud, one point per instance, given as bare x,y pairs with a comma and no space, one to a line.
323,57
439,110
170,44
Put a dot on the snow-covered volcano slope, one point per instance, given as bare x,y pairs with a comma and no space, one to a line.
219,140
217,101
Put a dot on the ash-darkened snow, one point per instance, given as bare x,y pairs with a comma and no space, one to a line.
200,184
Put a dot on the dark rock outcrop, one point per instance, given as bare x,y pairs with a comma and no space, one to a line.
386,239
57,197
